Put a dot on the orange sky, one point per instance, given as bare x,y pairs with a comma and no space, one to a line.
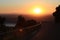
26,7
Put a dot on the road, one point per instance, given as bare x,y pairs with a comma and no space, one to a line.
47,32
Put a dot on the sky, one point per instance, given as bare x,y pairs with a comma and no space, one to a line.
26,6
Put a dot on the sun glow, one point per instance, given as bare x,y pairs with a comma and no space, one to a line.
37,10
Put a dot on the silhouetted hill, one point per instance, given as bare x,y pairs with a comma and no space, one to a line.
12,18
9,18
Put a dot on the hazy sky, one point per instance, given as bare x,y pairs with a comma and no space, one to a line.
23,6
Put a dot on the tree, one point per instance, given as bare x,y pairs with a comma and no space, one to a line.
56,14
20,21
0,20
31,22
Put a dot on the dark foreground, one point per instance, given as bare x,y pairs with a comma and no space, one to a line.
46,31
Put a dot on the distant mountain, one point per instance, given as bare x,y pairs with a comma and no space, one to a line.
9,18
12,18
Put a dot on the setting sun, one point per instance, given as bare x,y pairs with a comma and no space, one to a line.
37,10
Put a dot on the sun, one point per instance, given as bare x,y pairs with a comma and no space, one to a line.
37,10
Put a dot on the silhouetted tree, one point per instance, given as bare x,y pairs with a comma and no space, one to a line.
0,20
31,23
56,14
3,20
2,24
20,21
